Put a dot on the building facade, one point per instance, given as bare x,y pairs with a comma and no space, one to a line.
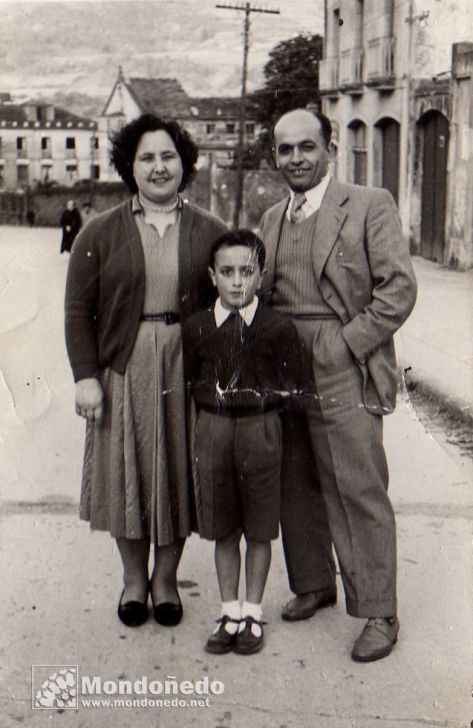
43,143
212,122
459,228
386,84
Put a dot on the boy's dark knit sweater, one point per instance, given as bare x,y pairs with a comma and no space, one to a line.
238,369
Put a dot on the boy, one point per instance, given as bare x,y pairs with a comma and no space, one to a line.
240,359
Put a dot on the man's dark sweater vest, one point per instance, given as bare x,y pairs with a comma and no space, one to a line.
296,287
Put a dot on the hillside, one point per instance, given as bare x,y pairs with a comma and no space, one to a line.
70,51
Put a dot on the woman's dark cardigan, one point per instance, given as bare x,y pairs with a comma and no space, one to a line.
106,284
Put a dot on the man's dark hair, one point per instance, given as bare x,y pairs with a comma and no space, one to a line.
244,237
324,121
125,143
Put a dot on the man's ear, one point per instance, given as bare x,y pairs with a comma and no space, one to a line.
332,151
275,156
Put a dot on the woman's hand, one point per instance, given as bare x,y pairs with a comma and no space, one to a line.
89,399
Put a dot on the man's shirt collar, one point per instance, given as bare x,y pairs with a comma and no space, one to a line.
314,197
247,312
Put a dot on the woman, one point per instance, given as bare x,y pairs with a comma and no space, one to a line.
71,223
136,272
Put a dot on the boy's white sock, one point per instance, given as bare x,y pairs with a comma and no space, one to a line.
232,610
249,609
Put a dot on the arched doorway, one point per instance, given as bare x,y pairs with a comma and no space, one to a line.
357,165
434,135
388,156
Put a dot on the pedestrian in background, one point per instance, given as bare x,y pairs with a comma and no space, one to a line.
339,266
136,272
71,223
87,212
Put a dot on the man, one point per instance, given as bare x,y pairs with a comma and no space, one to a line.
337,263
88,212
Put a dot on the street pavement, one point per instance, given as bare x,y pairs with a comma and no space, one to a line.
436,342
61,583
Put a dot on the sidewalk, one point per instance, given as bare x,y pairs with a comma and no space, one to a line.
436,342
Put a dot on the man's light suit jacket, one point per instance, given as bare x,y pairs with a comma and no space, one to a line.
365,274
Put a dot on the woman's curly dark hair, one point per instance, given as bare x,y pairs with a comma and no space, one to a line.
125,143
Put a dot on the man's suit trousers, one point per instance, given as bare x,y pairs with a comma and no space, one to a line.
334,480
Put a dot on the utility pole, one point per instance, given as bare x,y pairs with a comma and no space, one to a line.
247,8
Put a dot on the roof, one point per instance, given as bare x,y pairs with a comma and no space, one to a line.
166,97
17,115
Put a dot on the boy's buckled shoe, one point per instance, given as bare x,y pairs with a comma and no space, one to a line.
247,642
222,641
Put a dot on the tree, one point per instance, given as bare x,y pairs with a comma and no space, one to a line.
291,78
291,81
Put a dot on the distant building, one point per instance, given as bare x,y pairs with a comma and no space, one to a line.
41,143
387,87
213,122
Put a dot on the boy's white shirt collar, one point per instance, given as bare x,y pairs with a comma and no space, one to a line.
247,312
314,197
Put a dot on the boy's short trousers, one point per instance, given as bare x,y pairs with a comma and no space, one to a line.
239,465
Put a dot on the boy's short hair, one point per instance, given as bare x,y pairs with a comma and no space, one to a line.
244,237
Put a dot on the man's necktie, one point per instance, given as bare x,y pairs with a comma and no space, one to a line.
297,214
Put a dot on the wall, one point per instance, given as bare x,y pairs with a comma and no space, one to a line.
213,189
459,224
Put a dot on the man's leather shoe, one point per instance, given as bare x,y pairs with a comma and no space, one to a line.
377,639
304,606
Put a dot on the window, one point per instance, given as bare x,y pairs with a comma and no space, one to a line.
2,181
357,146
94,142
250,128
70,142
1,147
336,24
386,155
71,171
231,127
22,175
209,128
94,171
358,25
45,144
21,144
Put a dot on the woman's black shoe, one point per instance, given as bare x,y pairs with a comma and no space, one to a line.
133,613
168,614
